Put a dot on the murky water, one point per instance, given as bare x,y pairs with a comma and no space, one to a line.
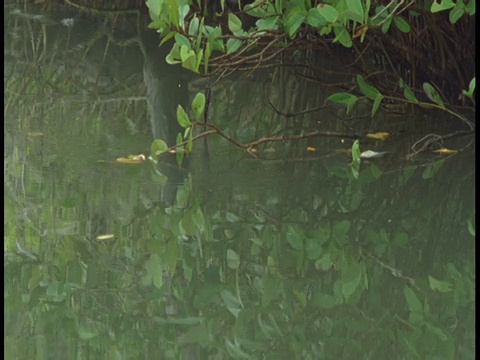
277,254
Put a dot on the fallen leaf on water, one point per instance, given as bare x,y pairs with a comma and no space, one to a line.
372,154
132,159
378,135
311,148
445,151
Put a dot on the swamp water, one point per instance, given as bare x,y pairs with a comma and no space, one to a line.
280,254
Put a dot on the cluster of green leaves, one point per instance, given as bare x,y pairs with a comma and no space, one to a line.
457,8
372,93
184,141
346,20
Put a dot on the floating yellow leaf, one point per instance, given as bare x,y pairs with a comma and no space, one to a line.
132,159
445,151
378,135
311,149
105,237
372,154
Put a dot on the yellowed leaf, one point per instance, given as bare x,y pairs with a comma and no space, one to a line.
132,159
360,31
311,149
378,135
445,151
105,237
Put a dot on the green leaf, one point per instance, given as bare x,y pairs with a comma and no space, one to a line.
190,142
158,147
153,274
340,229
231,302
294,237
231,217
198,105
315,18
356,150
470,227
270,23
328,12
199,219
167,37
182,117
356,160
351,280
294,19
233,260
376,104
342,36
208,52
470,7
313,248
433,94
368,90
194,26
442,286
414,304
456,13
198,60
386,25
324,263
301,297
471,88
407,92
183,11
444,5
355,8
154,7
171,12
233,45
234,23
182,40
171,60
182,197
189,59
344,98
401,24
180,150
187,225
